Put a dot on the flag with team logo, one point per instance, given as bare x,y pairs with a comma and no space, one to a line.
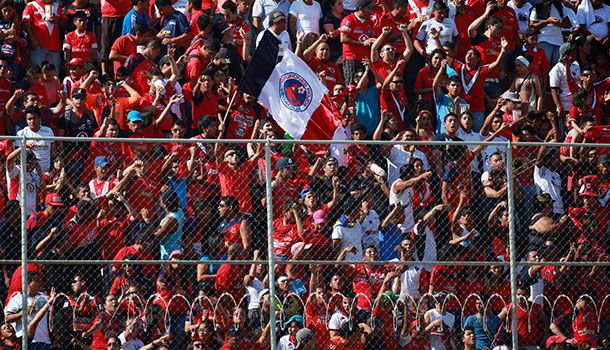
293,93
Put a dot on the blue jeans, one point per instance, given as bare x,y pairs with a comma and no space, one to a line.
39,55
551,51
40,346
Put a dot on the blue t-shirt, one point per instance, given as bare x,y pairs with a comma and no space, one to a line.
444,105
389,238
132,18
171,241
482,340
367,109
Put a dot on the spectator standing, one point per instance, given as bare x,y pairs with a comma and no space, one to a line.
43,149
263,9
550,17
80,43
137,15
357,36
43,20
347,231
113,13
175,28
34,182
560,77
124,46
436,32
304,17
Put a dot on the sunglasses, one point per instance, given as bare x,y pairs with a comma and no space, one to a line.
397,81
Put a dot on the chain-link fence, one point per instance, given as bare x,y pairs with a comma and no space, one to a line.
381,245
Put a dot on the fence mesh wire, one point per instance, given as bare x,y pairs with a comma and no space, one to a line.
381,246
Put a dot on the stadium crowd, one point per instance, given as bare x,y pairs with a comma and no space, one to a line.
396,70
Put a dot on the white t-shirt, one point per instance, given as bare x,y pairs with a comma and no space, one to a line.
599,24
131,344
308,16
405,198
350,235
15,305
370,226
41,148
446,29
409,283
471,136
399,157
436,341
285,343
337,320
337,150
283,37
558,79
32,181
522,13
548,181
550,33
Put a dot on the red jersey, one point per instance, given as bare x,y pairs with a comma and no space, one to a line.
99,188
395,102
357,30
384,69
284,236
333,73
204,104
315,319
111,328
444,278
147,270
472,84
527,336
111,150
80,45
140,68
236,25
424,79
285,192
462,22
388,20
41,92
114,236
366,280
196,64
124,45
115,8
234,181
82,234
85,311
490,50
230,279
510,24
355,165
46,33
539,64
597,100
241,120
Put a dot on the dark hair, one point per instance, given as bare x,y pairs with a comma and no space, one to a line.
454,79
203,22
79,15
153,44
155,73
580,97
196,4
7,3
406,171
33,110
438,52
231,201
33,70
399,3
138,28
123,72
161,3
358,127
230,5
206,121
171,200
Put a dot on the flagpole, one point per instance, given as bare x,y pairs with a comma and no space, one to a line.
224,120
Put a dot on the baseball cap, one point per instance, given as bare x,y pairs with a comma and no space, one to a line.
134,116
511,96
285,163
76,62
79,92
53,199
531,31
303,334
101,162
295,247
554,339
307,191
176,253
566,48
295,318
319,217
282,279
277,16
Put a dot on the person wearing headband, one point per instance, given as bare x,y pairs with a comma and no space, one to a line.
527,85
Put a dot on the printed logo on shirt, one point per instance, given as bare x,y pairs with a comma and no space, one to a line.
295,92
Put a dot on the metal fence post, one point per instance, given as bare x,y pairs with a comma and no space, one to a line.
271,267
512,244
24,244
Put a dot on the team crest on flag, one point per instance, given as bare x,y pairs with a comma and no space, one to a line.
295,92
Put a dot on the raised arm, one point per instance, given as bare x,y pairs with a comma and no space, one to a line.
500,58
473,28
396,71
385,31
436,83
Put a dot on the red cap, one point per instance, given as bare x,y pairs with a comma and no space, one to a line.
76,62
53,199
554,339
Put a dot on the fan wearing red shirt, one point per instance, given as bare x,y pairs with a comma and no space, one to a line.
141,65
199,56
473,75
397,20
43,20
202,98
490,48
235,178
230,278
105,325
126,45
510,29
317,57
466,13
242,118
357,36
80,43
385,61
539,63
113,12
287,231
236,23
530,318
425,78
596,92
393,98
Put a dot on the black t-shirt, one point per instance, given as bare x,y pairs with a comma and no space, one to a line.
448,151
333,44
77,126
